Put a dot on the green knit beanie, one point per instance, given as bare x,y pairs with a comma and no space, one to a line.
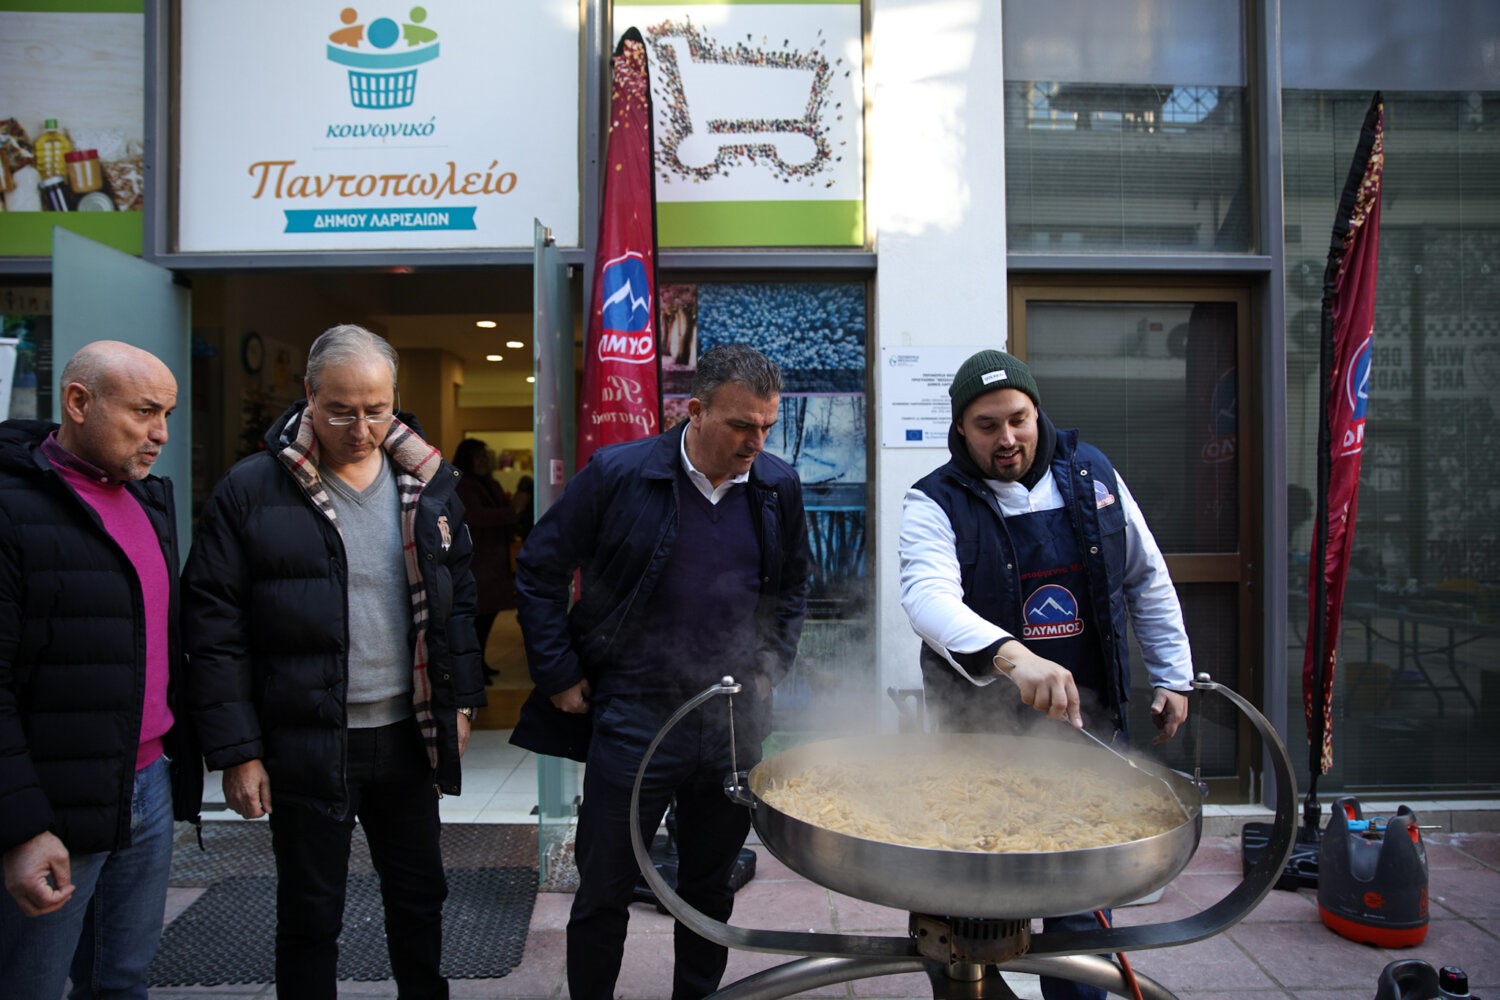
986,372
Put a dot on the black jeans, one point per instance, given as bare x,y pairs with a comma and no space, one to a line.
391,791
691,765
1067,989
482,626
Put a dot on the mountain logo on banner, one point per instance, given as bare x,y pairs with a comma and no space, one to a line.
626,312
1357,391
1223,420
1051,612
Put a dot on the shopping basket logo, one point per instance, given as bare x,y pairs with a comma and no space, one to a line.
381,74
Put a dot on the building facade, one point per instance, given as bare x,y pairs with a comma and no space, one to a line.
1135,197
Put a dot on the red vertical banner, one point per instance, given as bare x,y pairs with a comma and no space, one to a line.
1348,330
621,399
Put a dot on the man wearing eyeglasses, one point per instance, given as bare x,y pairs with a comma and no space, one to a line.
334,671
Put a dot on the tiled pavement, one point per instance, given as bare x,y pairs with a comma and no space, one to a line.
1281,950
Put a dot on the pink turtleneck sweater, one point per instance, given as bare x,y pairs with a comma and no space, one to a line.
127,523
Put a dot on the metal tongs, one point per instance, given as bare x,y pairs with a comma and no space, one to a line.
1171,792
1125,757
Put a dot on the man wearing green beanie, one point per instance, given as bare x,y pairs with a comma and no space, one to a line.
1024,557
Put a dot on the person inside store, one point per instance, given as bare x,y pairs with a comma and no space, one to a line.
692,547
1023,560
492,516
526,516
96,755
328,612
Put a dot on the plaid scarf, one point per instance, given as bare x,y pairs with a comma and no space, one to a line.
415,462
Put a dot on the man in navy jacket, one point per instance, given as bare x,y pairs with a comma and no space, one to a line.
692,547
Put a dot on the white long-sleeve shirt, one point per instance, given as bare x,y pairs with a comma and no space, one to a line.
932,590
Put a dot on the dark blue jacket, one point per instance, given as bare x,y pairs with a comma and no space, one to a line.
991,577
73,658
616,522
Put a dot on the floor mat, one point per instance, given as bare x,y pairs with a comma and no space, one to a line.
228,934
238,848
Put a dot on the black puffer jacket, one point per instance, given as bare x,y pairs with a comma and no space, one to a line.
265,619
73,658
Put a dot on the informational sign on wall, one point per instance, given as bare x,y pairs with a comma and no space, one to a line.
759,127
331,127
917,410
72,123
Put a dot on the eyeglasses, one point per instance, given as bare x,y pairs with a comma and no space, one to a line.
374,419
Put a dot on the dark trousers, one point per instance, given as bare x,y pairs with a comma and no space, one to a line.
482,626
691,765
391,792
1066,989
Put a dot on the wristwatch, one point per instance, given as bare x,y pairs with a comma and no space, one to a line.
467,711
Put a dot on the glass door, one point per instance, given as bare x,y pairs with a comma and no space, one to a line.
99,293
1153,377
558,779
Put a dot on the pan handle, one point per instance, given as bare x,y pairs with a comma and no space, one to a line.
1233,907
737,789
783,942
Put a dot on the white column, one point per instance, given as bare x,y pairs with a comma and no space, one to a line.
937,208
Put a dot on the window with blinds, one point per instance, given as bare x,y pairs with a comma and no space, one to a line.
1125,126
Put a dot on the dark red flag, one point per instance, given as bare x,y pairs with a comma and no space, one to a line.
1348,330
620,399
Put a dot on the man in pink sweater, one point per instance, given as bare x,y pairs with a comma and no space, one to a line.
92,755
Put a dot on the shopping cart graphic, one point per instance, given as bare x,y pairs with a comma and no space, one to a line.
722,105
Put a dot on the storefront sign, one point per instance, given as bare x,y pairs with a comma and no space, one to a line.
759,120
329,127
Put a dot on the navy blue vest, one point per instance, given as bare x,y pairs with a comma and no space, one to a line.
992,570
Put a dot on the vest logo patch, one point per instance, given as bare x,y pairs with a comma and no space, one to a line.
1102,496
1051,612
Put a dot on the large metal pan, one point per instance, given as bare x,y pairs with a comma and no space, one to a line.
837,958
977,883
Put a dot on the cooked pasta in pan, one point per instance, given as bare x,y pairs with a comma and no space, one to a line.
959,804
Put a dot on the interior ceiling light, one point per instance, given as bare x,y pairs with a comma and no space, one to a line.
485,324
514,345
493,357
531,378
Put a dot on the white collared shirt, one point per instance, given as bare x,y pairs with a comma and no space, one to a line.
710,492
